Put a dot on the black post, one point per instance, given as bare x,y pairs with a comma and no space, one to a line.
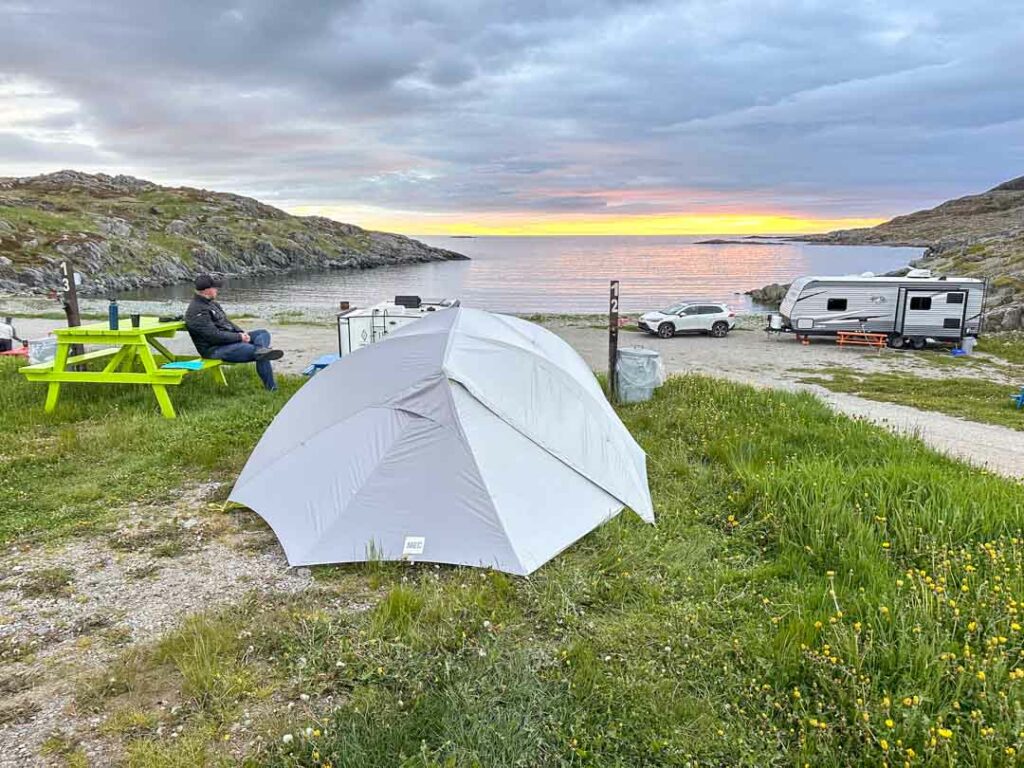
613,338
69,298
69,294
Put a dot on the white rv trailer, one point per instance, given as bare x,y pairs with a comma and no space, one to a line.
908,309
360,326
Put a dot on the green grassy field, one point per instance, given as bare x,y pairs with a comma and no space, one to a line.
106,446
816,592
1008,346
976,398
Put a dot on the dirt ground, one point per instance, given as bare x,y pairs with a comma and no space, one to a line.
747,355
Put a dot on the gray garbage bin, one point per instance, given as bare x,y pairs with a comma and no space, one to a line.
639,372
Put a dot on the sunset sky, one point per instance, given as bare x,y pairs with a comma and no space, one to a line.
589,117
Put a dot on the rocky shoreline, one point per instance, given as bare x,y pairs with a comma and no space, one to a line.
124,233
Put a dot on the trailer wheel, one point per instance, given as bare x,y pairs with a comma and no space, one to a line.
897,342
918,343
666,330
719,330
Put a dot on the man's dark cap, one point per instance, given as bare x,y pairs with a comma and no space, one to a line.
205,281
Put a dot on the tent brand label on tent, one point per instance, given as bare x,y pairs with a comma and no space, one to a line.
414,545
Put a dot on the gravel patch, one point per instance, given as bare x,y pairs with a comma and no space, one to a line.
115,594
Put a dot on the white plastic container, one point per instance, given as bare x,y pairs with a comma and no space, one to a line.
638,373
967,345
42,350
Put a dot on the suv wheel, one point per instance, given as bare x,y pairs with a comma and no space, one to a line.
719,329
666,330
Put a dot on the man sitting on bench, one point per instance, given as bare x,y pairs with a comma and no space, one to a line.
217,338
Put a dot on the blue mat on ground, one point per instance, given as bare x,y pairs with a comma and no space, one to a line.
319,364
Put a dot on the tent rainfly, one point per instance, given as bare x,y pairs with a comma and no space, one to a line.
466,437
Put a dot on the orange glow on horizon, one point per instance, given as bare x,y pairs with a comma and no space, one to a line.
508,224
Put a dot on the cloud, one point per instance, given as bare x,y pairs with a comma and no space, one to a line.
445,106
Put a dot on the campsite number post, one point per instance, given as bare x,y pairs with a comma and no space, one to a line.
69,293
69,298
613,337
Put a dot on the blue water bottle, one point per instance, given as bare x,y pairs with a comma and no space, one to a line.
112,314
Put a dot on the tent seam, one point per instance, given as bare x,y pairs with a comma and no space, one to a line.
518,429
311,435
479,472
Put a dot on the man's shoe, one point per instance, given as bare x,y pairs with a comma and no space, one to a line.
268,354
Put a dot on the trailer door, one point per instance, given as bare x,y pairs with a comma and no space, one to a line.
939,314
920,312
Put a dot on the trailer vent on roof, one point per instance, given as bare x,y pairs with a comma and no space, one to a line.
920,274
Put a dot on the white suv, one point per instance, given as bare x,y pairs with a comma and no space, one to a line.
689,317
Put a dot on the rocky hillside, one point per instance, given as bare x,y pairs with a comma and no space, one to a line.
975,236
123,232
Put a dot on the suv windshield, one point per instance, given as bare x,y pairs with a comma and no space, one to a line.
675,309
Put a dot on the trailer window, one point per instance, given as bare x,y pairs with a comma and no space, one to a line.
921,302
954,298
951,322
836,305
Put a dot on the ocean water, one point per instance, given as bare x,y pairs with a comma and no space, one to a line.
561,274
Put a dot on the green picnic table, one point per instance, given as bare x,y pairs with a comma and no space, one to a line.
130,359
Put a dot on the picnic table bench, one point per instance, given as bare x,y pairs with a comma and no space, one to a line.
861,339
129,357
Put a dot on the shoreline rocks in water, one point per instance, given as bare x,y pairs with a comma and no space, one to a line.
770,296
124,233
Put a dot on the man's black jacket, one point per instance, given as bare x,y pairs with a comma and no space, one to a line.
208,326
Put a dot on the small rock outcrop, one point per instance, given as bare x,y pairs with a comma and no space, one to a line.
124,233
770,295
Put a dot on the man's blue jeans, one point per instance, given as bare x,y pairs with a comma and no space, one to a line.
240,352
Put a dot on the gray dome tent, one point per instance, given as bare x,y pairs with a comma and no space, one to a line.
466,438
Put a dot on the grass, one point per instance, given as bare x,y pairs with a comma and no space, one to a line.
47,582
44,221
1008,346
976,399
107,446
816,591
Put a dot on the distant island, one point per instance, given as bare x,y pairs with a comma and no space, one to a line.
974,236
124,233
748,241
